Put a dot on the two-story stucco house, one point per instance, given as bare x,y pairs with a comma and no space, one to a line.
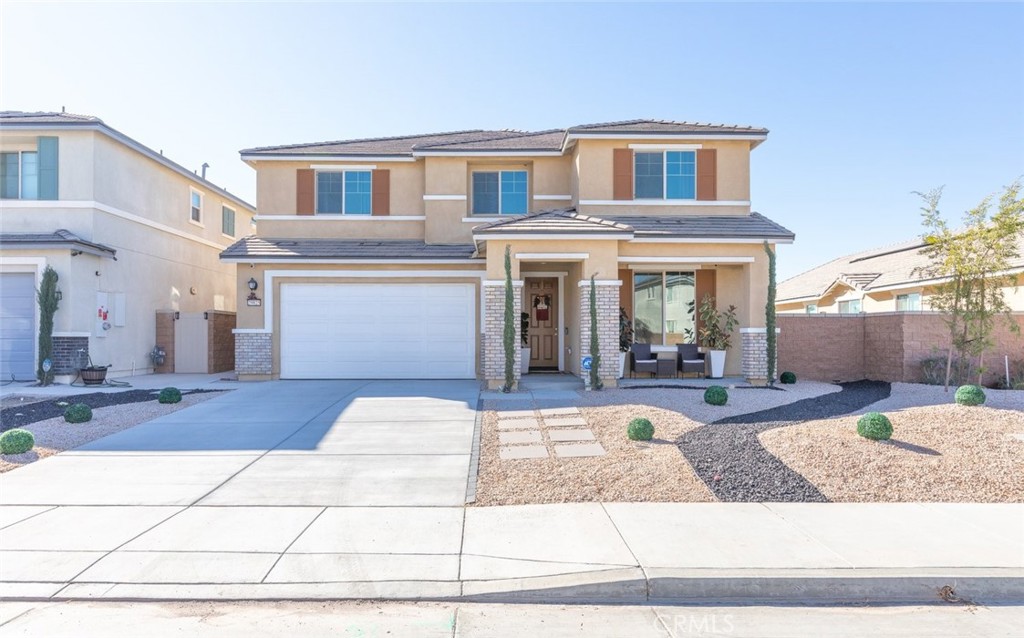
384,258
129,232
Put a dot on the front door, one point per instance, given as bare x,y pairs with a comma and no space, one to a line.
542,305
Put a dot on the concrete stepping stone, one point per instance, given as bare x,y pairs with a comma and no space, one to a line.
527,436
519,424
571,435
560,412
561,422
523,452
579,449
515,414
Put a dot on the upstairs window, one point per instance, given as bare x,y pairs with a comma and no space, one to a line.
665,175
908,302
500,193
344,192
851,307
19,175
227,221
196,211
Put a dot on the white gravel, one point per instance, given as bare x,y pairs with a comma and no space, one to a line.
912,395
56,435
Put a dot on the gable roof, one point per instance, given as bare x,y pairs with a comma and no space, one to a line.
502,140
868,270
556,221
46,120
58,239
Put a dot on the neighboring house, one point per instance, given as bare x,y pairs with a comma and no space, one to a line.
129,233
384,258
887,279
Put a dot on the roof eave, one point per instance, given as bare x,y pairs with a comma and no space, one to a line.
88,248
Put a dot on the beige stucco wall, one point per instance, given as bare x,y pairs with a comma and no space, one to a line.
276,189
362,227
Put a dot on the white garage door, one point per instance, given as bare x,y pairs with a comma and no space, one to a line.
17,326
378,331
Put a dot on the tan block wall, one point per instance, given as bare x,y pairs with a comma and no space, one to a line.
220,355
883,346
821,347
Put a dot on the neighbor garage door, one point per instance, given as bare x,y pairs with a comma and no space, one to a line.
17,326
378,331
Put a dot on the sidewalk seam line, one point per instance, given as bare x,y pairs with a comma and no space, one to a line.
294,540
49,508
647,580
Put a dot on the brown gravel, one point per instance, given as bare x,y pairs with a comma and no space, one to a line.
937,453
629,471
56,435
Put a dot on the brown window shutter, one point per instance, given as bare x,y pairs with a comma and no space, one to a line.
381,185
622,173
707,174
705,285
305,191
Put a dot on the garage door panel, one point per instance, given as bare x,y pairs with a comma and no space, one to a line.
17,325
394,331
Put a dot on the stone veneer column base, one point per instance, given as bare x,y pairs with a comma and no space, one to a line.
494,329
755,354
253,354
607,293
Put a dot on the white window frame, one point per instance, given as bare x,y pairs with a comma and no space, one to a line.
811,308
664,174
234,221
199,222
499,171
21,170
858,300
342,171
908,295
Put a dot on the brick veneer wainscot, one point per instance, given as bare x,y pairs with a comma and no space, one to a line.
607,293
494,329
253,354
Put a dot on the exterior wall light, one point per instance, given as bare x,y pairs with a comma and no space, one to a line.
253,285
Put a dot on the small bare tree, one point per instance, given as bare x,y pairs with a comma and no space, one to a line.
971,264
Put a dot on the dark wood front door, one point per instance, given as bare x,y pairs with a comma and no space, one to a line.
542,304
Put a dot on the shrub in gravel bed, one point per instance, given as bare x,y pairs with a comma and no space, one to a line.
16,441
787,378
970,395
716,395
640,429
78,413
170,395
874,426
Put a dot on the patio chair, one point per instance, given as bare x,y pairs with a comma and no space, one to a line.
642,360
690,360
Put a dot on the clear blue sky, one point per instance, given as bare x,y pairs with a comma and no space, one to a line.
865,102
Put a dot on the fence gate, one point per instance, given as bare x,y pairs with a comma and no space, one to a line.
191,343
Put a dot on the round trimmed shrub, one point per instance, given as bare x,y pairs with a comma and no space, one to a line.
716,395
78,413
787,377
874,426
170,395
640,429
970,395
16,441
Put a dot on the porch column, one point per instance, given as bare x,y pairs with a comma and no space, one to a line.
755,354
494,330
607,327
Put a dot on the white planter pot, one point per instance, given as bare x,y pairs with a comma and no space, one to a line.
717,363
622,364
524,363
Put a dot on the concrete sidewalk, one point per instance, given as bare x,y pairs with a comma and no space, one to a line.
623,553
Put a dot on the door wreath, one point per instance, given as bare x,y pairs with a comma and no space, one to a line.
541,307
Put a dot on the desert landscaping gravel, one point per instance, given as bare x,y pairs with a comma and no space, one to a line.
18,415
54,435
937,452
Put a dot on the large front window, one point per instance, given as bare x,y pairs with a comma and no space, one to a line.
344,193
664,307
500,193
665,175
19,175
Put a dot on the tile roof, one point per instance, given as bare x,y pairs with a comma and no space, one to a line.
753,226
868,270
252,247
61,238
44,117
557,221
495,140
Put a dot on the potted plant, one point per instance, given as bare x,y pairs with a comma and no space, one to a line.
524,336
93,375
716,333
625,339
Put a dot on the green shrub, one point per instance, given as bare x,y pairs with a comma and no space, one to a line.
170,395
970,395
962,370
874,426
16,441
716,395
640,429
787,377
78,413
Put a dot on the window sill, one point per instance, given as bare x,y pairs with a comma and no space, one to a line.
231,237
195,223
486,219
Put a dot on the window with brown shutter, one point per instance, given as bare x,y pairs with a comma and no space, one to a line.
381,192
305,191
707,174
622,173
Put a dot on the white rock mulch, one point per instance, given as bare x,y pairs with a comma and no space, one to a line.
910,395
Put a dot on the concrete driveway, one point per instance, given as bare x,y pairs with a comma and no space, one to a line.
315,443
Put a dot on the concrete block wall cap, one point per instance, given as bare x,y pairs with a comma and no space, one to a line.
758,330
600,282
501,282
251,331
